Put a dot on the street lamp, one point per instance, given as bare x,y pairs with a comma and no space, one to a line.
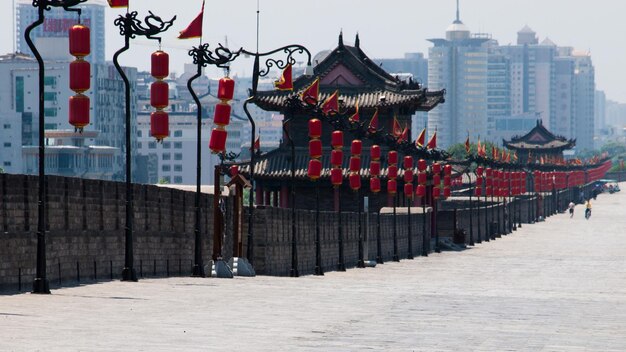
40,283
131,27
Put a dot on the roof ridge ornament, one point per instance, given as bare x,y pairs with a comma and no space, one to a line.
357,42
341,38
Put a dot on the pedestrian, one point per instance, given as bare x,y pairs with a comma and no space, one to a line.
571,209
588,209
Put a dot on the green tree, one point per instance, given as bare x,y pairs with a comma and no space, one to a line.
163,181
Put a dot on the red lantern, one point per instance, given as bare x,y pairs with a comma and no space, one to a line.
446,192
159,95
392,172
80,76
447,170
315,128
315,148
479,171
420,191
421,178
355,164
479,191
392,157
392,186
336,139
226,89
336,177
408,176
374,184
79,41
447,181
489,172
79,111
436,192
479,181
374,168
488,191
421,165
356,147
160,64
217,143
408,190
234,170
222,114
315,169
436,168
436,180
336,157
488,182
355,181
159,125
375,152
408,162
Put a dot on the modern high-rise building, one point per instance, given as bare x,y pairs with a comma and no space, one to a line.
584,97
459,65
52,38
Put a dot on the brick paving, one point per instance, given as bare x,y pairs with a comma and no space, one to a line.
559,285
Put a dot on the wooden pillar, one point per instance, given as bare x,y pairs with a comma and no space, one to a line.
284,196
237,221
259,194
274,198
267,194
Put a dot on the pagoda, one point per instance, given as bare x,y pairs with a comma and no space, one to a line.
360,82
539,144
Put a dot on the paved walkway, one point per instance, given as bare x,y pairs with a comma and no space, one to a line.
554,286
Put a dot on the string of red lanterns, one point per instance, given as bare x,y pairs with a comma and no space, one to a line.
355,164
336,158
315,149
392,172
159,95
375,168
420,190
80,76
221,118
408,176
436,168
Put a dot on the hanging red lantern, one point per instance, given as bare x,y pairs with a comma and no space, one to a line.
356,147
478,191
488,191
160,64
79,111
436,180
479,171
392,186
421,165
488,182
315,148
375,152
422,178
408,190
408,176
80,40
436,168
221,117
217,143
336,157
447,170
436,192
336,177
374,168
226,89
159,95
315,169
336,139
392,172
489,172
392,157
420,190
159,125
447,181
80,76
374,184
408,162
234,170
355,164
315,128
479,181
355,181
446,192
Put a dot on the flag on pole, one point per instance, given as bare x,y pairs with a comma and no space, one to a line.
373,126
432,143
479,148
494,153
355,117
257,144
286,79
397,129
405,134
311,94
421,139
194,29
467,145
331,105
118,3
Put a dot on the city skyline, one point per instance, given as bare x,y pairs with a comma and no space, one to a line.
585,28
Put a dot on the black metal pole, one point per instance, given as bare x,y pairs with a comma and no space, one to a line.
395,257
318,245
426,237
341,265
478,237
250,247
40,283
471,212
361,261
198,267
409,235
487,224
379,246
294,244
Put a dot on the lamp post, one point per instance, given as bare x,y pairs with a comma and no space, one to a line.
131,27
293,272
40,283
471,210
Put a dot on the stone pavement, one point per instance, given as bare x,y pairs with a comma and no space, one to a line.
559,285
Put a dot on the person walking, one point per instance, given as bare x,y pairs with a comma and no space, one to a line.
571,209
588,209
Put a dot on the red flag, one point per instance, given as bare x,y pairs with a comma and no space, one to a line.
405,134
194,29
397,129
432,143
503,155
479,148
331,105
467,145
373,126
257,143
484,150
355,117
286,79
421,139
494,153
118,3
311,94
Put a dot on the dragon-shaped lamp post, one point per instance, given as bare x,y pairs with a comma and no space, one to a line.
41,284
203,57
130,27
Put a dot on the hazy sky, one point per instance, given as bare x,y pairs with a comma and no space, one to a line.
386,28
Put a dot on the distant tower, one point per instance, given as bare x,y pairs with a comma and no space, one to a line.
458,64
